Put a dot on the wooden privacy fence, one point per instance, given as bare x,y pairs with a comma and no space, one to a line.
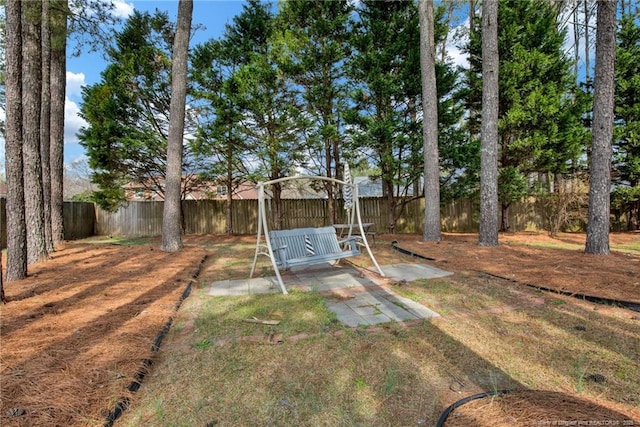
138,219
79,220
210,216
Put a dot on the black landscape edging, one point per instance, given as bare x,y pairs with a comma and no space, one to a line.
629,305
123,403
445,414
394,245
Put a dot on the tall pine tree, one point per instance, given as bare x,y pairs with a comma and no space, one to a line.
313,39
626,149
540,112
383,120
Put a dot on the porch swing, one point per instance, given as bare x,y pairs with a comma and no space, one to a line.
309,245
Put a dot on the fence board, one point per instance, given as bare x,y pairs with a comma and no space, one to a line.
79,220
138,219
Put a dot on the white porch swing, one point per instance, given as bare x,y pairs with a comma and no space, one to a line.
306,246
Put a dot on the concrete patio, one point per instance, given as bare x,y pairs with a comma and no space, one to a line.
355,298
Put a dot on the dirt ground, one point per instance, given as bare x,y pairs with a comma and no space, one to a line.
77,331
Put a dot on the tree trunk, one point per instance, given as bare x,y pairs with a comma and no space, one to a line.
335,144
58,12
504,216
488,235
45,124
171,223
602,131
587,62
432,223
2,297
230,224
329,187
16,223
277,206
576,38
633,216
387,191
31,97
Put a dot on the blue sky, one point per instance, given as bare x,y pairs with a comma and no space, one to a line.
212,15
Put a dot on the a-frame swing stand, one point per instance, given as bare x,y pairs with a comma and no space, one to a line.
305,246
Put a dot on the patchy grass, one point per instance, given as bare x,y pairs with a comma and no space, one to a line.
75,332
118,240
218,370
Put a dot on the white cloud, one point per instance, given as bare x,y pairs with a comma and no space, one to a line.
457,56
72,122
122,9
459,37
75,82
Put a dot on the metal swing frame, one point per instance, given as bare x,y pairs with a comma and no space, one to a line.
266,248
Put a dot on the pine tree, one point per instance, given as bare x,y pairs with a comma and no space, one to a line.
172,213
31,102
601,150
383,120
313,38
432,226
59,12
16,222
488,235
626,157
540,108
273,122
127,111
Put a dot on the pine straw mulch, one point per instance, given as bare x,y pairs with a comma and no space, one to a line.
568,271
615,276
75,332
536,408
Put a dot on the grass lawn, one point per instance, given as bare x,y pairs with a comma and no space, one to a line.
493,334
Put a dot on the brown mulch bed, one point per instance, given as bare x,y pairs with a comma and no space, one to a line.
76,331
536,408
615,276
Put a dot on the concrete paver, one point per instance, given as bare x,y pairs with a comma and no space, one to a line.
362,301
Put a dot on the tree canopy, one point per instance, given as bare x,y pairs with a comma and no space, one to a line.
308,86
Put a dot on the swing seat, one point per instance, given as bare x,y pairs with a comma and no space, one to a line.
306,246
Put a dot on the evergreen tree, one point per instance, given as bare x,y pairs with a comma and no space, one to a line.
601,150
540,110
312,38
215,73
626,157
432,225
488,234
383,121
16,222
59,12
273,123
45,123
128,112
219,139
172,212
31,109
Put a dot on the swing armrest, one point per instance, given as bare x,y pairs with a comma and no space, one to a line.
281,254
352,241
279,248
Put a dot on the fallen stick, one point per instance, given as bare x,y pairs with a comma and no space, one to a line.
262,322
